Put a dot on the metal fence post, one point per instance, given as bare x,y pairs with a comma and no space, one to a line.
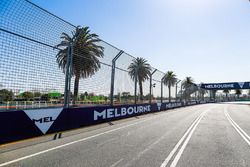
210,95
162,88
150,86
113,77
181,93
176,89
135,94
70,66
67,77
70,73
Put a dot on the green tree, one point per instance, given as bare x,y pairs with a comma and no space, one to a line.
85,57
170,80
37,94
140,69
86,94
238,92
28,95
45,97
202,92
6,95
226,91
214,93
188,86
125,96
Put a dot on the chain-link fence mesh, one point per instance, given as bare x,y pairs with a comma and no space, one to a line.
31,75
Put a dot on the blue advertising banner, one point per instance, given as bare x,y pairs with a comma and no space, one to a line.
222,86
72,118
22,124
16,125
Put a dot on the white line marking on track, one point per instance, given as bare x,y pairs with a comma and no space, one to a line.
190,129
242,133
116,163
178,156
70,143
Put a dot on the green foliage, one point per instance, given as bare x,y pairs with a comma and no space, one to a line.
27,95
97,98
202,92
170,80
45,97
93,98
188,86
141,70
86,94
83,97
54,95
213,93
86,54
37,94
238,92
125,94
6,95
226,91
187,82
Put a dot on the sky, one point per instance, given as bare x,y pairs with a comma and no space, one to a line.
205,39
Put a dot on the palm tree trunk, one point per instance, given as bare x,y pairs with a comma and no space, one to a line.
141,91
169,93
76,86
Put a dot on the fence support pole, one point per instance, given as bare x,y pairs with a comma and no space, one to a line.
150,86
162,88
210,95
70,73
113,77
135,94
69,69
176,89
66,93
181,93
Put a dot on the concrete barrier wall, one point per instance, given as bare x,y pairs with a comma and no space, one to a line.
22,124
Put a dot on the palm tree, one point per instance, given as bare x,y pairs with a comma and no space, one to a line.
188,86
202,92
141,70
226,91
170,80
213,92
238,92
85,57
